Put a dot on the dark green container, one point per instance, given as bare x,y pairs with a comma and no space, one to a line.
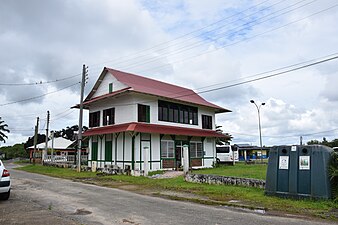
299,171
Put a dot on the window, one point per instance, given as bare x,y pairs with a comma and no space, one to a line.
108,116
177,113
167,149
143,113
111,87
224,149
94,119
206,122
196,150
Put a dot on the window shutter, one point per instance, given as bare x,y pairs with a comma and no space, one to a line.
148,114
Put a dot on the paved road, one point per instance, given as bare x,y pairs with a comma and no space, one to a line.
66,202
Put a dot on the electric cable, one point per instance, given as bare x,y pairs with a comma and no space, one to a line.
36,97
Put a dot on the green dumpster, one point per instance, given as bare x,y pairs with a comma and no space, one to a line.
299,171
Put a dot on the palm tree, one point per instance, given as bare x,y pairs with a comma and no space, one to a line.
3,128
222,140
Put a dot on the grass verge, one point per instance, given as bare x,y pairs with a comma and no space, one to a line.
242,196
257,171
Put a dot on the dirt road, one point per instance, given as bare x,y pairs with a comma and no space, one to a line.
39,199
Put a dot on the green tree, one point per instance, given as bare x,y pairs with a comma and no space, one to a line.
30,142
3,128
69,133
313,142
222,140
14,151
333,173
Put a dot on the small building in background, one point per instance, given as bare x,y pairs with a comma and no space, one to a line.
58,147
249,152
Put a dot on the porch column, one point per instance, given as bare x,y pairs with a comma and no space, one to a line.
132,152
186,159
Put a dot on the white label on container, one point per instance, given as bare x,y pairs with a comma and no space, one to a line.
304,162
283,162
293,148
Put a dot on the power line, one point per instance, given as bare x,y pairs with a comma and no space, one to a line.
40,82
299,66
32,98
221,35
180,37
272,75
284,136
240,41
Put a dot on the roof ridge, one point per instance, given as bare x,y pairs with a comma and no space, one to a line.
152,79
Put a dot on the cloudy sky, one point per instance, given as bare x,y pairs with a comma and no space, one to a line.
216,47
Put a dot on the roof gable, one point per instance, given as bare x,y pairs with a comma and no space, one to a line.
57,143
145,85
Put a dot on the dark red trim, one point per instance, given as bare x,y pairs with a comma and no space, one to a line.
152,128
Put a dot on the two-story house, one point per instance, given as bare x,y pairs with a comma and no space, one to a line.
128,113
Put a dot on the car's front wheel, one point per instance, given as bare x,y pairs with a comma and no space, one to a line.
5,196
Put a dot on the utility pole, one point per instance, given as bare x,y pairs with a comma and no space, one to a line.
35,138
44,154
301,140
84,73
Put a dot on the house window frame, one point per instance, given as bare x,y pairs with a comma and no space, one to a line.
207,122
111,116
177,113
195,152
110,87
94,121
167,149
143,113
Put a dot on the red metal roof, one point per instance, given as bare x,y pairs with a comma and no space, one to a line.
152,128
154,87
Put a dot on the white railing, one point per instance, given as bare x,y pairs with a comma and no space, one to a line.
61,158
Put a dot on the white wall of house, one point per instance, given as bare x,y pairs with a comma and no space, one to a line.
125,108
124,151
153,103
104,86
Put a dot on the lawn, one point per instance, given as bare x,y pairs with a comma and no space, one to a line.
217,194
257,171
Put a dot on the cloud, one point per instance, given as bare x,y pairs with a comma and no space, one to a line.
45,41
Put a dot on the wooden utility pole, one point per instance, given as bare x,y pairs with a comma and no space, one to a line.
84,73
35,138
44,154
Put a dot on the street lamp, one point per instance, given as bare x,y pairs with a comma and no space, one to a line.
259,123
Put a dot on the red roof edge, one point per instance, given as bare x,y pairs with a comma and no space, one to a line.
152,128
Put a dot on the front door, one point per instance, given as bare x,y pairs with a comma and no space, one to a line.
178,156
179,153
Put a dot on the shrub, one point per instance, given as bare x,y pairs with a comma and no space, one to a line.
333,173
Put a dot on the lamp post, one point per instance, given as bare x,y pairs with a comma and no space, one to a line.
259,123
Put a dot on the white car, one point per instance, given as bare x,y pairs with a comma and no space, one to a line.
5,182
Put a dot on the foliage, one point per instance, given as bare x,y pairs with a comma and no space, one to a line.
256,171
333,143
15,151
333,173
69,133
30,141
251,197
3,128
222,140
